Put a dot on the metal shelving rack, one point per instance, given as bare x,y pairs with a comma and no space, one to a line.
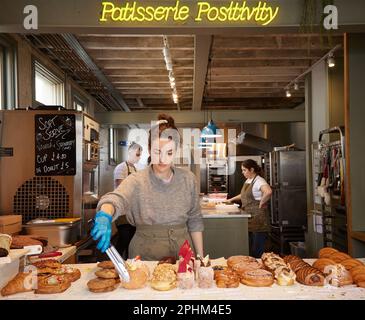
334,216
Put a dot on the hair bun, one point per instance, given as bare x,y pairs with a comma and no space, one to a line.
169,119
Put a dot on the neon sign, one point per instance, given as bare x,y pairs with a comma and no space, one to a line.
235,11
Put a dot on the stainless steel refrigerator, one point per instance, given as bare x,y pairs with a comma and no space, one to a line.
286,173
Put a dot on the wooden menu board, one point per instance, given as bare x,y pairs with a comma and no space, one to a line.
55,145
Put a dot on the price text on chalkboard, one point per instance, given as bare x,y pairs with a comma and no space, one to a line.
55,145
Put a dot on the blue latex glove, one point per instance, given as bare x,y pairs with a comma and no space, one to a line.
102,230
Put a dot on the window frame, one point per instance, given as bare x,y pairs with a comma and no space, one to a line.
112,148
50,75
8,73
77,97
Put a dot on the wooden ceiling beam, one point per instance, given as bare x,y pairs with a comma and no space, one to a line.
282,54
150,54
135,43
270,42
146,72
201,59
150,78
245,85
252,78
144,64
252,95
289,63
263,71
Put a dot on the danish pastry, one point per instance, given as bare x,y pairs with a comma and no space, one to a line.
337,275
52,284
51,263
227,278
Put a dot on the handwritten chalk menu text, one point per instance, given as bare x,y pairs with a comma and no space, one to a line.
55,145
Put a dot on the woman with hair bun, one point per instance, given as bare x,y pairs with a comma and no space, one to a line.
161,201
254,196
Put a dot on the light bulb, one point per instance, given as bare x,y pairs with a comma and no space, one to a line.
331,62
288,94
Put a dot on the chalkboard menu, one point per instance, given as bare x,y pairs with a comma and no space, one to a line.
55,145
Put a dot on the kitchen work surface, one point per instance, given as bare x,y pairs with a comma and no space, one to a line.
79,291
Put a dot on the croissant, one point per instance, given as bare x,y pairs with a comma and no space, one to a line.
22,282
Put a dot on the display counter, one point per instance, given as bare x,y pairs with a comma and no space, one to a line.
79,291
225,232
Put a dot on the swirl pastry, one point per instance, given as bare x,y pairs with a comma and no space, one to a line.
337,275
305,273
282,272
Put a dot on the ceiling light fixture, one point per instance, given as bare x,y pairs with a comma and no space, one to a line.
296,86
288,93
168,63
329,56
331,61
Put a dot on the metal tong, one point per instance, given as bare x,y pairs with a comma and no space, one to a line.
118,262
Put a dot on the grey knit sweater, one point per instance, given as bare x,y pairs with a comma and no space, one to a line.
147,200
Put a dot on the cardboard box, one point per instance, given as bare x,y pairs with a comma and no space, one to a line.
10,224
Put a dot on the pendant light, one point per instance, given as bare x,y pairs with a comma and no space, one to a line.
211,130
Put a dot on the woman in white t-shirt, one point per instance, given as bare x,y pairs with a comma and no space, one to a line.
125,230
254,196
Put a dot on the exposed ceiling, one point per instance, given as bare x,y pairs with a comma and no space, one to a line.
212,72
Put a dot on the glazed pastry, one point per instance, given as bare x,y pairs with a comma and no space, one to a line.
326,252
339,256
321,263
227,278
52,284
337,275
351,263
257,278
231,261
164,277
138,273
99,285
106,265
22,282
107,274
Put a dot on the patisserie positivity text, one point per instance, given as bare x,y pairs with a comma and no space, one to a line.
261,13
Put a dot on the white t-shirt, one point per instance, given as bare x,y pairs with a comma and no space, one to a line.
256,189
121,171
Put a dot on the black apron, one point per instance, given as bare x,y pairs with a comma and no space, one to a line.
259,221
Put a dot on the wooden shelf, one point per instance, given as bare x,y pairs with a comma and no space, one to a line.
358,235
